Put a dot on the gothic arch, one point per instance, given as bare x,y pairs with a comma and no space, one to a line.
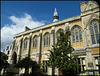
58,33
35,41
92,17
76,26
25,42
60,29
34,36
46,38
94,28
45,33
76,31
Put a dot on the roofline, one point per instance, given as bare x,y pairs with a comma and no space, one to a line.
77,17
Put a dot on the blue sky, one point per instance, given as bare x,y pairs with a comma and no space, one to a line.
34,12
41,10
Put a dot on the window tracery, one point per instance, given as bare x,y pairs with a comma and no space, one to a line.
25,43
46,39
94,31
35,42
58,33
76,34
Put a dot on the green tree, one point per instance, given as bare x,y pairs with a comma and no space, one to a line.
3,58
27,63
60,55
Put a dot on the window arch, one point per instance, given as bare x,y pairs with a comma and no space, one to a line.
46,39
94,31
35,42
25,43
76,33
58,33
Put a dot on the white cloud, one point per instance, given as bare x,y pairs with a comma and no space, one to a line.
17,26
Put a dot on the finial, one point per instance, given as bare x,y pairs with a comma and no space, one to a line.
55,16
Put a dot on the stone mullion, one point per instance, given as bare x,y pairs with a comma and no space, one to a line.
28,46
52,42
81,64
88,51
11,51
39,48
19,49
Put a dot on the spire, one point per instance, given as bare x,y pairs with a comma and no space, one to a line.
55,16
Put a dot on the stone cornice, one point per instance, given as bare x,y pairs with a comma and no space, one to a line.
48,25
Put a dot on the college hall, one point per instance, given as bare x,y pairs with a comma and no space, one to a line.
84,39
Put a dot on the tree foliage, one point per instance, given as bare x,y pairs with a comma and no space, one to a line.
28,63
3,58
60,55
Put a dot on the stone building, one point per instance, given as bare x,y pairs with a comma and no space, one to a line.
84,39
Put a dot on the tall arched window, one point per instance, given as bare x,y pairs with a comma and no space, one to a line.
76,34
25,43
58,33
35,42
80,35
94,31
46,39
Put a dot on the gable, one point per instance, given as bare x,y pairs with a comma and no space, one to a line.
91,5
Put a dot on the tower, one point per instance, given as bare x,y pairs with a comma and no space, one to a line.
55,16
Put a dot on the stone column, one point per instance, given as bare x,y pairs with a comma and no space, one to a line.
66,27
19,49
52,37
11,51
9,59
88,52
28,45
52,42
39,48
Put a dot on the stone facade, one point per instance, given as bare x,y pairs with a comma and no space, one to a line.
82,40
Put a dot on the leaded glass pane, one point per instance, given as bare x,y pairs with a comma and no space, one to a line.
73,36
58,35
44,41
26,44
76,28
91,30
36,43
95,28
97,38
47,40
33,43
76,35
93,39
94,22
80,35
